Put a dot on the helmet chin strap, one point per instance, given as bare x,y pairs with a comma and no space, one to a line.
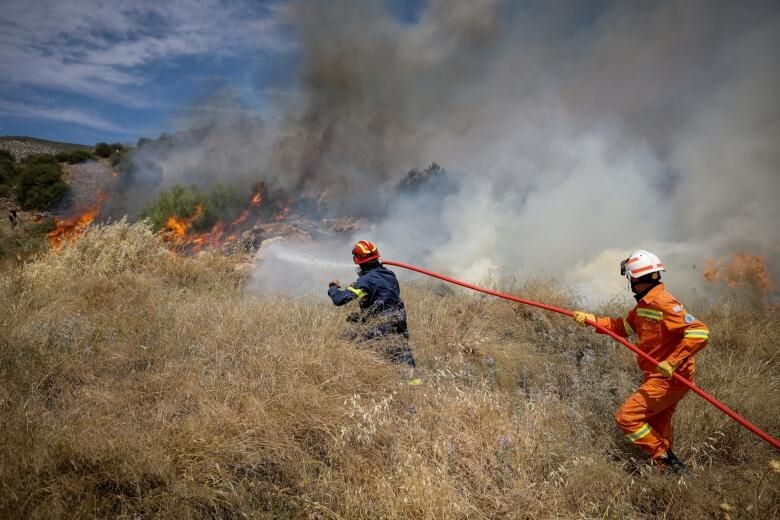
650,280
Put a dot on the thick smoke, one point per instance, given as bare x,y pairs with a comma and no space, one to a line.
580,134
573,134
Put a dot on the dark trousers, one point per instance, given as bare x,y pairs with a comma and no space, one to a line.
389,337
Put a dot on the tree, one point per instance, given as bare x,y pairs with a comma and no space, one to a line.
74,156
40,186
7,173
103,150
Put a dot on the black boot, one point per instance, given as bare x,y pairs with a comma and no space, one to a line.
671,464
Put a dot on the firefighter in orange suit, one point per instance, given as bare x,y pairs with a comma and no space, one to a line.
668,333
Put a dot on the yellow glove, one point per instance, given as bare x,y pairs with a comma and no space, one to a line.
580,318
665,369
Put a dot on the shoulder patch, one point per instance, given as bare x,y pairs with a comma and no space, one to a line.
689,318
677,308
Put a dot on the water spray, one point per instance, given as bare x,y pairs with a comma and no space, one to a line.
707,397
291,257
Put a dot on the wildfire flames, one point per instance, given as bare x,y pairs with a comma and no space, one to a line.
176,227
740,270
177,230
73,227
266,213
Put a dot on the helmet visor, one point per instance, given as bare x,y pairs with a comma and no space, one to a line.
623,267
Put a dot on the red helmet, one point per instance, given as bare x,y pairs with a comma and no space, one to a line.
364,251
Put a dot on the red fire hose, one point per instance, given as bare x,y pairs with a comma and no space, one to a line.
720,406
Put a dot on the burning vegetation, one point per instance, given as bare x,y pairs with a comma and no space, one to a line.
69,228
741,269
190,219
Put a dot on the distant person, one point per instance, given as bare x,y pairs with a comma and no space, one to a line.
668,333
13,218
382,317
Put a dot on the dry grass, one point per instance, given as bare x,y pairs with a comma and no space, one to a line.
136,383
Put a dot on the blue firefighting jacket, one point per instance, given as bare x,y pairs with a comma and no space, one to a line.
376,290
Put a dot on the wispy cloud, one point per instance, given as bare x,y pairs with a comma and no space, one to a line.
68,115
100,49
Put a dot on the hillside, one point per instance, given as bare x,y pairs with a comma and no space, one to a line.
22,146
139,383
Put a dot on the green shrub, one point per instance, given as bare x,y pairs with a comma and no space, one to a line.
220,202
40,158
74,156
7,175
40,186
103,150
5,155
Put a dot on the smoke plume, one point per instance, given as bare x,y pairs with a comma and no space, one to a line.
574,133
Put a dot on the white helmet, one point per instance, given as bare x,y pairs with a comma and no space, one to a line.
640,263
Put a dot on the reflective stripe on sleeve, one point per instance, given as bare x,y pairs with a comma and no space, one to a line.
360,293
697,333
650,314
641,432
628,328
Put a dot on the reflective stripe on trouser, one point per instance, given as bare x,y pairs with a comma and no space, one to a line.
646,416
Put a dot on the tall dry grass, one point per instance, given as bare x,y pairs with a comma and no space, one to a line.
137,383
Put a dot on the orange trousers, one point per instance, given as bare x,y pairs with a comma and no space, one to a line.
646,416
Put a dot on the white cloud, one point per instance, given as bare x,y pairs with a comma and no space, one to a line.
99,48
68,115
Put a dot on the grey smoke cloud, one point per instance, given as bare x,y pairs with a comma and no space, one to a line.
576,134
649,125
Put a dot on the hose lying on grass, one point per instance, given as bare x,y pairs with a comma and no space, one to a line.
707,397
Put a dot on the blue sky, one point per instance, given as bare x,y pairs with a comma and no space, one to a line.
115,70
91,70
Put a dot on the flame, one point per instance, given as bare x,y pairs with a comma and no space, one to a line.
176,228
283,214
73,227
255,202
741,269
241,218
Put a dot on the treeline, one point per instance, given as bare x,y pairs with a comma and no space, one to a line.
36,181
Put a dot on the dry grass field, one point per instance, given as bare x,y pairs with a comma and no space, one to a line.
136,383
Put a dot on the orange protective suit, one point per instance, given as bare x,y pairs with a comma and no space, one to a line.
666,331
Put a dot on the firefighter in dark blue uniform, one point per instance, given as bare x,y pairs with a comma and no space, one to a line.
382,316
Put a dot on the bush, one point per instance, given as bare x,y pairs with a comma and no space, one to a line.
103,150
40,158
219,203
40,186
74,156
7,174
5,155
